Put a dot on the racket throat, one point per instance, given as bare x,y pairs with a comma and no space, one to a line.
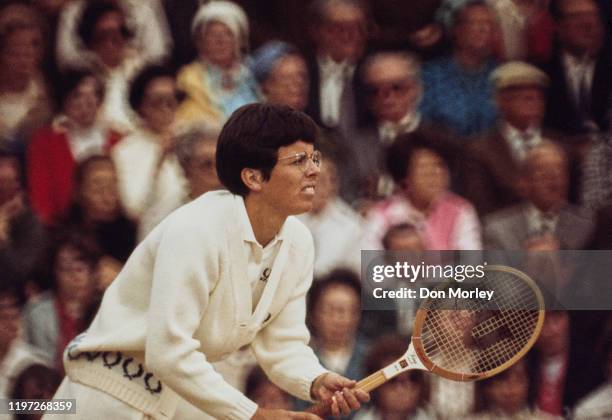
408,361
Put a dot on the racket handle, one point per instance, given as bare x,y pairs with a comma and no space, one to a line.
367,384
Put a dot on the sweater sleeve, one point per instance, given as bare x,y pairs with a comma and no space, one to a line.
282,347
180,291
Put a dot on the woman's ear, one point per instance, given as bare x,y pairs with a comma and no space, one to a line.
252,178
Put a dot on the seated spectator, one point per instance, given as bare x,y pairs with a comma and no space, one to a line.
561,366
405,396
196,149
22,237
115,39
507,396
282,74
218,81
490,171
580,69
394,90
151,182
526,27
596,188
336,228
62,313
545,215
24,101
97,214
458,90
56,150
339,31
265,394
15,354
446,221
36,382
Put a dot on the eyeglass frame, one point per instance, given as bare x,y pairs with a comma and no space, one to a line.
302,159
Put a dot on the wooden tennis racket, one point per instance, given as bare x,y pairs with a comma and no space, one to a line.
469,339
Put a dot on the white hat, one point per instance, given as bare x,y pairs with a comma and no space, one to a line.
226,12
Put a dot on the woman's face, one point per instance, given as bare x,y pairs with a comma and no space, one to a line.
108,39
337,314
327,186
74,277
427,178
159,104
509,392
218,44
83,103
99,193
401,394
288,83
22,53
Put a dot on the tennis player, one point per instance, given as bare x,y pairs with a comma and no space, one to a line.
227,270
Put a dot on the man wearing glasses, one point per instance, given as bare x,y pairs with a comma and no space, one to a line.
228,270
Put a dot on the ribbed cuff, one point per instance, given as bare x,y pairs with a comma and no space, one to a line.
244,410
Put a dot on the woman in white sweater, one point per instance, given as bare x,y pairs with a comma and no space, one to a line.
229,269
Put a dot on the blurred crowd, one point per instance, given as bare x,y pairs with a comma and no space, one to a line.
445,125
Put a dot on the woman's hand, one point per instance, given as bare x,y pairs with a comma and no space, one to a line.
270,414
339,392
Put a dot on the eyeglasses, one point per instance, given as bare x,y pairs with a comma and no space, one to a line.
302,159
384,89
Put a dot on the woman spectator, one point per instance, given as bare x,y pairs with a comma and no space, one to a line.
507,396
115,39
35,382
151,182
420,168
62,313
404,397
24,102
219,81
74,135
97,213
196,148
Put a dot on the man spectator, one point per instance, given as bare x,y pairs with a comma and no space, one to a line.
580,69
545,220
490,172
339,32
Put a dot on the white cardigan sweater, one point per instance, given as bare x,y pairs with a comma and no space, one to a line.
183,300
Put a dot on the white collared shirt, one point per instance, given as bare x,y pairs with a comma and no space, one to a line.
334,75
388,130
539,222
578,70
521,141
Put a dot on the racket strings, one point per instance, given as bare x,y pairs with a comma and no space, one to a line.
474,336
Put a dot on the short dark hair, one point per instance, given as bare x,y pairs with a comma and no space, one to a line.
338,276
251,139
394,230
400,153
92,12
70,79
139,83
12,288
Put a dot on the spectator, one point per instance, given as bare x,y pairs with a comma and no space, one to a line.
56,150
507,396
394,90
218,81
580,70
196,148
15,354
24,101
419,167
490,172
282,75
336,228
458,89
545,216
36,382
115,39
405,396
265,394
339,30
22,238
62,313
596,188
97,214
151,182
